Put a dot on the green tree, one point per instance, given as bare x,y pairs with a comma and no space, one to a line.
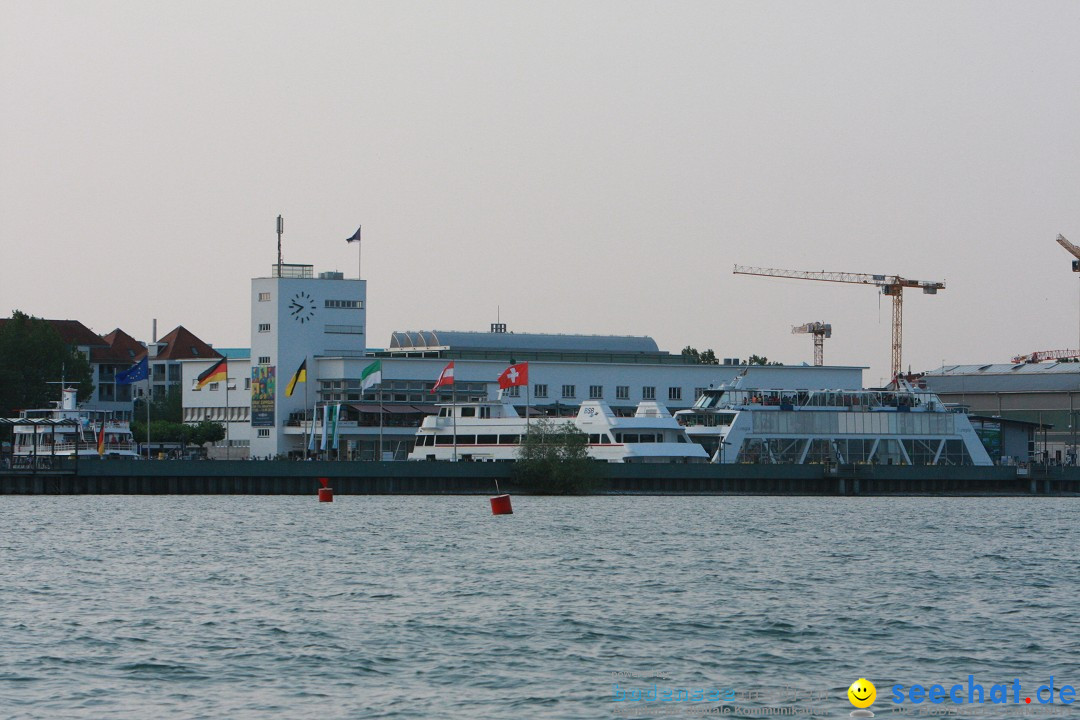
207,431
32,354
554,460
761,360
707,357
169,406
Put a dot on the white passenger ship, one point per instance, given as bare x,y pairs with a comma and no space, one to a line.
493,430
738,424
64,430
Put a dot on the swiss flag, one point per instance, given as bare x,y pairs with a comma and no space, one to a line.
446,377
514,375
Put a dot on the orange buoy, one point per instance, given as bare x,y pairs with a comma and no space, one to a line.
326,494
500,505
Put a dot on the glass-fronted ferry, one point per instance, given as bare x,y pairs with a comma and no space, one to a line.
737,424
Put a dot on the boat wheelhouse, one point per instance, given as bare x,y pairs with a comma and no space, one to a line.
493,431
737,424
65,431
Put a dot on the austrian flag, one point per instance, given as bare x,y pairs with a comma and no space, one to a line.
514,375
446,377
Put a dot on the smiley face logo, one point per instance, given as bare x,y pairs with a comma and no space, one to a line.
862,693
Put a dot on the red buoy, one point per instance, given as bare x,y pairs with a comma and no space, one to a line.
500,505
326,494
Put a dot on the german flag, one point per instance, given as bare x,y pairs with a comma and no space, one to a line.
218,372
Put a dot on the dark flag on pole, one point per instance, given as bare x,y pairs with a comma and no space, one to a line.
355,237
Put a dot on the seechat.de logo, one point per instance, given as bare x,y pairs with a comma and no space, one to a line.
973,693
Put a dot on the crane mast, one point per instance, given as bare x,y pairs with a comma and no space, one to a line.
891,285
820,331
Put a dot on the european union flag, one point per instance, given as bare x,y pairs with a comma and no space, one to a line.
135,373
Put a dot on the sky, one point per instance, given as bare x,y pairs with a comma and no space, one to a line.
569,167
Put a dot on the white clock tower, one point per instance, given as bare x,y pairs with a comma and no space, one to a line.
296,318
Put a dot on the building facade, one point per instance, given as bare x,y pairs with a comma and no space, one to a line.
295,318
1044,394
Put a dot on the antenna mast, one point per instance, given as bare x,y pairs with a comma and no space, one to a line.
280,232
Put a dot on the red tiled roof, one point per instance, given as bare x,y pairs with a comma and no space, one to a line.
181,344
122,348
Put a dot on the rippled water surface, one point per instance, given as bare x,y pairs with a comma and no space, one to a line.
423,607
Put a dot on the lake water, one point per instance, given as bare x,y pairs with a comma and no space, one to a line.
425,607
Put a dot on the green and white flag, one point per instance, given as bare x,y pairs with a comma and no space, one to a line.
371,376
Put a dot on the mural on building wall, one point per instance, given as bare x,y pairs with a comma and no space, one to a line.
263,385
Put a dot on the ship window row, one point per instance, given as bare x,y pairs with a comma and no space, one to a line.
643,438
483,411
706,419
856,423
432,440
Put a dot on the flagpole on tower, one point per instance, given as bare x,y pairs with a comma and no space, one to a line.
356,239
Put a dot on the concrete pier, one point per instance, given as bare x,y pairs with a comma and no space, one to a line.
180,477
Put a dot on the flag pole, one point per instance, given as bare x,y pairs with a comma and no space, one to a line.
311,424
148,386
228,449
453,407
380,420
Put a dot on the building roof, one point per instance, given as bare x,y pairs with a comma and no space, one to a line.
463,340
122,348
1008,369
72,332
235,353
182,344
1004,377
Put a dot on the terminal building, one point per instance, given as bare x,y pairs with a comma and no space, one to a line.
318,322
1043,396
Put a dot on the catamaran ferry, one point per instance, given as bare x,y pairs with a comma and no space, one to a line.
65,430
737,424
493,430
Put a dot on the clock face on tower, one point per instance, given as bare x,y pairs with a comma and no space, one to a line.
302,307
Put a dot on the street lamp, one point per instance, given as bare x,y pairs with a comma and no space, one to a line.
723,446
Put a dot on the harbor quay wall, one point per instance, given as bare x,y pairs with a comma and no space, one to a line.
183,477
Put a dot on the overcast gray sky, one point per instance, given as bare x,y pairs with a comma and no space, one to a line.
590,167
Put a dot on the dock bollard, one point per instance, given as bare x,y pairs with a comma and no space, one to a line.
500,505
326,494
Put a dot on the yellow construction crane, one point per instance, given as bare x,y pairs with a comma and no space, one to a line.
820,331
1072,249
891,285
